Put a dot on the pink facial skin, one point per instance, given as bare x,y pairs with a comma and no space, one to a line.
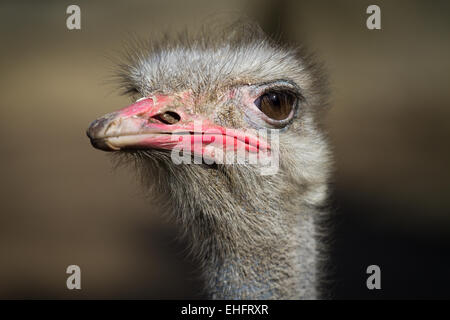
140,126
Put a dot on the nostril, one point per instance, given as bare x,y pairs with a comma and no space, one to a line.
168,117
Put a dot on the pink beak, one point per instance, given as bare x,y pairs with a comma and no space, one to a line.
161,122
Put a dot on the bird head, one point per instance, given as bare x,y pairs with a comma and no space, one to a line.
213,95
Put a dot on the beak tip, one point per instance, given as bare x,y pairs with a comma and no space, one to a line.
101,144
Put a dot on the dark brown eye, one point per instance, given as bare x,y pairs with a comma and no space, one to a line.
276,105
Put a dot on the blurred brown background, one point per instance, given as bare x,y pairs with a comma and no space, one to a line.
63,203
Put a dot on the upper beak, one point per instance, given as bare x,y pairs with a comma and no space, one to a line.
159,122
144,124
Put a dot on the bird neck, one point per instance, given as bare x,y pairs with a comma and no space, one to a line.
254,237
244,261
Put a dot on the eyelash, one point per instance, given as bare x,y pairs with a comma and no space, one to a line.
282,90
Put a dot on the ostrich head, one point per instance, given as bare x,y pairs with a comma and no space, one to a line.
253,234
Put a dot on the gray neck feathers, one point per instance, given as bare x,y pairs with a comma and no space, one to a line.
254,237
281,267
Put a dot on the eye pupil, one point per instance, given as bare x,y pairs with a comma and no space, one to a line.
274,99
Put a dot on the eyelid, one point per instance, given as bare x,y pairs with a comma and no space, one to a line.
246,95
278,86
